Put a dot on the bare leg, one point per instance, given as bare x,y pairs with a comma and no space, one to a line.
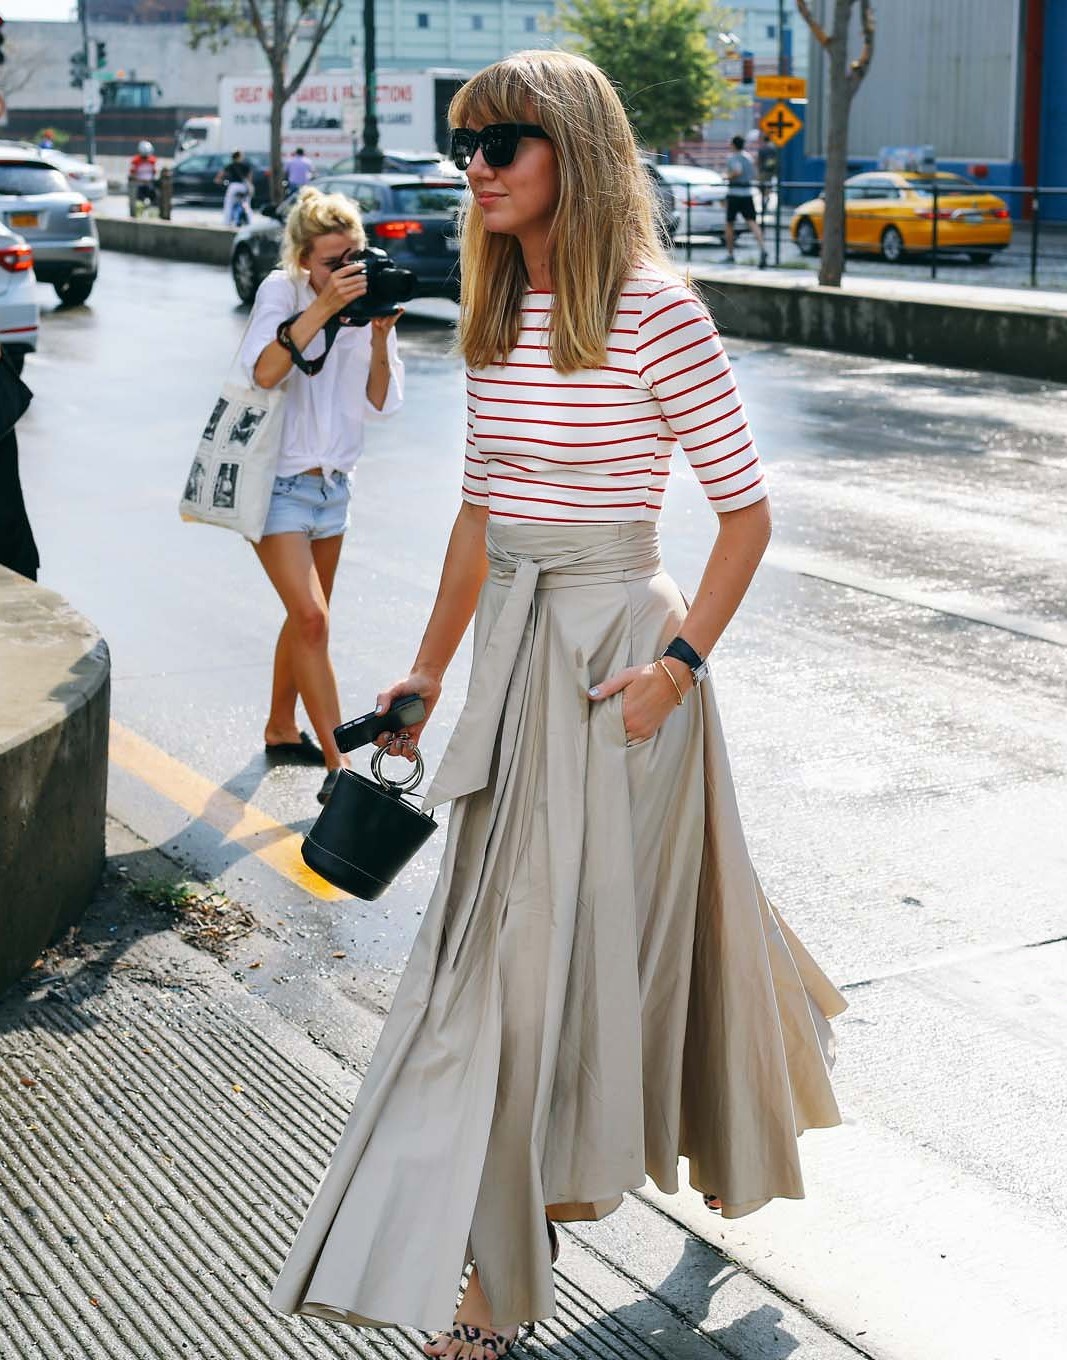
729,238
281,724
290,564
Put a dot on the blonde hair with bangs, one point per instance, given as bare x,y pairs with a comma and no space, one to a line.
605,222
317,214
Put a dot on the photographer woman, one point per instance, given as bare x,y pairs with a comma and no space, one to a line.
322,440
600,986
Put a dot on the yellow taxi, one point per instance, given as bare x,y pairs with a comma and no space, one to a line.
891,213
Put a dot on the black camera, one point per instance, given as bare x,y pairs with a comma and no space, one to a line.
388,285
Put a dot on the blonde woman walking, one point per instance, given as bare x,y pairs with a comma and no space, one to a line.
600,986
322,439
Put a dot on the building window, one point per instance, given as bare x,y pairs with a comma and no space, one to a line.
422,21
771,30
477,22
530,24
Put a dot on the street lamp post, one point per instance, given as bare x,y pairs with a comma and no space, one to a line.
370,158
89,89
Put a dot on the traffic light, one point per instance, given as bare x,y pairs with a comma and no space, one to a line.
79,69
101,54
2,57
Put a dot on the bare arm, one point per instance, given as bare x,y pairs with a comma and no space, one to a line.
464,571
740,544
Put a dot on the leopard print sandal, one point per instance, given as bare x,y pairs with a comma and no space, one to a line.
494,1344
714,1203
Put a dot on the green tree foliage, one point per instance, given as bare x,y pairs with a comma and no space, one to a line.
662,57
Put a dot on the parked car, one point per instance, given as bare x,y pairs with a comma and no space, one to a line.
87,179
38,204
19,312
892,214
413,219
668,209
699,197
193,178
425,163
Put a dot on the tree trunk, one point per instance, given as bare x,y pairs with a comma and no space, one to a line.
833,242
277,56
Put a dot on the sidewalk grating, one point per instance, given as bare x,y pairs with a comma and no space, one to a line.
156,1153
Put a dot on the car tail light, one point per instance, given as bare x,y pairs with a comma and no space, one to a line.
82,209
396,231
942,214
16,259
1000,212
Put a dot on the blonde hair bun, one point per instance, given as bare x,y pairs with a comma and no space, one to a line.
316,214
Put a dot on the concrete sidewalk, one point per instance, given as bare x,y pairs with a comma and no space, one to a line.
163,1131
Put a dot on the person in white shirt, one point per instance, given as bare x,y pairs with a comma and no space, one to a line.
360,376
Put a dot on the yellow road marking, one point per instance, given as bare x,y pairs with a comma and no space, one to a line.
239,822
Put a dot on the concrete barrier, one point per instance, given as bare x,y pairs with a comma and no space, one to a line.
166,240
55,688
961,327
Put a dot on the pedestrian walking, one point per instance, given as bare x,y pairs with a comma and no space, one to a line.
298,171
599,986
740,177
236,175
322,439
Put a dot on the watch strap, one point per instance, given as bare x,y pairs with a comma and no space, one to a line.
681,650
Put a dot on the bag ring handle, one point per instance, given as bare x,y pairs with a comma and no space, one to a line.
402,785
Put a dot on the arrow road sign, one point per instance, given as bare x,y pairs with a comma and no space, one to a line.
780,124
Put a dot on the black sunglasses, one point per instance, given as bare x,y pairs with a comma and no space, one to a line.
498,141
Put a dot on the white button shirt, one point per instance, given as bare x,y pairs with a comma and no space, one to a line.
324,415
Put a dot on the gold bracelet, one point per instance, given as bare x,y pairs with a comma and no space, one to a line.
667,672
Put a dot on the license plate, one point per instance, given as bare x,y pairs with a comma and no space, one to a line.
973,217
452,244
23,219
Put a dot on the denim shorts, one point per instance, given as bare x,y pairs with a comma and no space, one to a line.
309,504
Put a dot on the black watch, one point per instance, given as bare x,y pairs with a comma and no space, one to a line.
681,651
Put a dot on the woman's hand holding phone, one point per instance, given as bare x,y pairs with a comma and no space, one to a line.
404,742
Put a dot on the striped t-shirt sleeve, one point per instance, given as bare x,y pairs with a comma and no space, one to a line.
681,359
475,468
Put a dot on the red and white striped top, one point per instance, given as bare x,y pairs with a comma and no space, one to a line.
595,446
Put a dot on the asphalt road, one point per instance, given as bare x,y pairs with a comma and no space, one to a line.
893,693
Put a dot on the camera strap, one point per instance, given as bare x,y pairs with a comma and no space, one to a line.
308,366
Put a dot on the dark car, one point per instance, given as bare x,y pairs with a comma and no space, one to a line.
194,177
413,219
429,165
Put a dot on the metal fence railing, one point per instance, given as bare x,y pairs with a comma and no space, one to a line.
893,228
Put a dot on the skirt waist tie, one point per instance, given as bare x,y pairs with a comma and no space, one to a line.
532,559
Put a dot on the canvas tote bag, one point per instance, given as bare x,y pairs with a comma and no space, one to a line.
232,475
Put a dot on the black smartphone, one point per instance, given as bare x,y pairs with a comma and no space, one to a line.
404,712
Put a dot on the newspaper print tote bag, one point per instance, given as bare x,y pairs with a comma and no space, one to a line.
232,476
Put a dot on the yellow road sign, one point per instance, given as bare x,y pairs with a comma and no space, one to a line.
781,87
780,124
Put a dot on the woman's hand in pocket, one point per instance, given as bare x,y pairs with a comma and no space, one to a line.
647,696
405,742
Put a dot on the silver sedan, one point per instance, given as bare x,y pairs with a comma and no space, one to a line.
54,220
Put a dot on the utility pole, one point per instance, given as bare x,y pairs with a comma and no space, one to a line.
370,158
90,88
783,63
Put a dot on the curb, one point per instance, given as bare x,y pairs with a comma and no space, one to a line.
180,241
997,333
53,768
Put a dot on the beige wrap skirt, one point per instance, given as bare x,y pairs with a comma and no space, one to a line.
599,986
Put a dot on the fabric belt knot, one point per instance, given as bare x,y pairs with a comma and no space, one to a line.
603,553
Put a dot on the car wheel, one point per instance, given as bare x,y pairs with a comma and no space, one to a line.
980,256
72,292
245,274
807,239
892,246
